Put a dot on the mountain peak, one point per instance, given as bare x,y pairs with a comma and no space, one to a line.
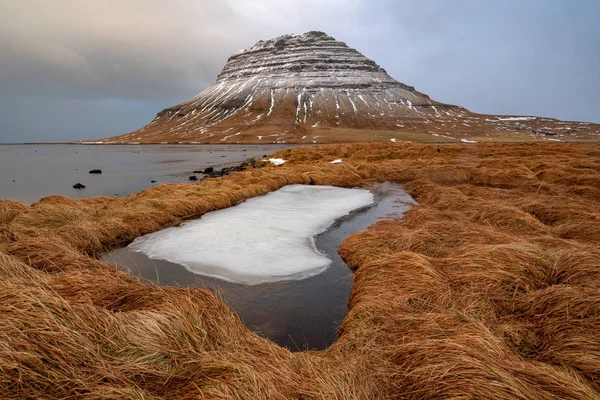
307,88
281,41
312,60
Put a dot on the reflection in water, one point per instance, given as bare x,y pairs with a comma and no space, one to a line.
296,314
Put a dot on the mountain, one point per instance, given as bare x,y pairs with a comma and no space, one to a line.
311,88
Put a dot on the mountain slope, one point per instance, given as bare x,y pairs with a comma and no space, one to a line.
312,88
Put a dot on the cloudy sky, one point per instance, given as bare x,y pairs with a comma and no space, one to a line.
84,69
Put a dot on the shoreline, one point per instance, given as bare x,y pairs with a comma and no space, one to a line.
30,172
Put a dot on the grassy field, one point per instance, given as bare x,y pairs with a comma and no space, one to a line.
488,288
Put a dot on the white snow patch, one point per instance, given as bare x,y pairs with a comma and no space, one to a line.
468,141
228,136
393,140
516,119
276,161
444,136
298,107
335,161
305,113
265,239
353,105
272,103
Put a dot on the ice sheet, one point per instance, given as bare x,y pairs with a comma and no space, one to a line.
265,239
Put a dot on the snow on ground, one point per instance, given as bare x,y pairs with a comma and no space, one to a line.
516,118
468,141
276,161
265,239
335,161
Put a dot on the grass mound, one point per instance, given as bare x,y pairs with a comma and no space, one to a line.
488,288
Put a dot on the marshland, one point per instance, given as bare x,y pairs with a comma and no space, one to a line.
487,287
299,200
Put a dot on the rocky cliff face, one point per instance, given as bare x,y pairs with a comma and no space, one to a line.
311,62
304,88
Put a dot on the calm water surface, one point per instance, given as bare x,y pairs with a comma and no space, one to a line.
295,314
30,172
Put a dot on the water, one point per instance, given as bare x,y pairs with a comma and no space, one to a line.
30,172
301,314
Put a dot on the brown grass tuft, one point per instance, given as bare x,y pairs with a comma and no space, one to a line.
488,288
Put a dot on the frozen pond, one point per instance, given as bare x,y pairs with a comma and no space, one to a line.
303,312
29,172
265,239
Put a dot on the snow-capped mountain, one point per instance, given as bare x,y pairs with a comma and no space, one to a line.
312,88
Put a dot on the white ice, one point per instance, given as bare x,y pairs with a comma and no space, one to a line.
335,161
276,161
265,239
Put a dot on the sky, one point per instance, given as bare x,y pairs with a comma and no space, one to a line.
86,69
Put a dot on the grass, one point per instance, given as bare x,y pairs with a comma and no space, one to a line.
488,288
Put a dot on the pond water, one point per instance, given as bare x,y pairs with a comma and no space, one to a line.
29,172
265,239
298,314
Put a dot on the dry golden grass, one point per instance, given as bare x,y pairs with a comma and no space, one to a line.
489,288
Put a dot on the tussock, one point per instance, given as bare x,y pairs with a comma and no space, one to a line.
488,288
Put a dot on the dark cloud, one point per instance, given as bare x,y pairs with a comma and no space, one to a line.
81,69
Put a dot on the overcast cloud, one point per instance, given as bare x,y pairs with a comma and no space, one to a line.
83,69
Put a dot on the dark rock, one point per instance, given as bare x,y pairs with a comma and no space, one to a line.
208,170
250,163
543,132
78,186
193,178
221,172
197,172
96,171
152,181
